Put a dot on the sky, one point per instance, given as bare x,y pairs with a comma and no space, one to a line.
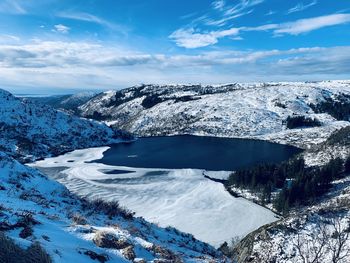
66,45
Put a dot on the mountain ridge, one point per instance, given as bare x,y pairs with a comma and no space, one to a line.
255,111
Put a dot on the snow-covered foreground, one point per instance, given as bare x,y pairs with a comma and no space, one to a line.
34,208
180,198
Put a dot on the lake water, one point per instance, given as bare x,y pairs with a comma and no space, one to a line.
146,176
197,152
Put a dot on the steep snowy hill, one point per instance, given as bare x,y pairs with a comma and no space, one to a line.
258,110
36,210
29,130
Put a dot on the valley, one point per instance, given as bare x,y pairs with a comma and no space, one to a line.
156,178
186,181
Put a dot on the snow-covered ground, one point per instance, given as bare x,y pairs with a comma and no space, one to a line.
34,208
184,198
243,110
30,130
318,233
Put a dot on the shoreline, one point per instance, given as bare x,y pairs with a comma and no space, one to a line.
189,201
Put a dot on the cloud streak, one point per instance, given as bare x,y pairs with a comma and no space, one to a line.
86,17
231,12
12,7
311,24
191,38
301,7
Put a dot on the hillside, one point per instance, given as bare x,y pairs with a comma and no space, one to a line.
30,130
319,233
36,210
257,110
41,221
317,228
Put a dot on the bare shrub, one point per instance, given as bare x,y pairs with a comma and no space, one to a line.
129,252
11,252
164,253
331,239
109,208
109,240
26,232
26,220
78,219
102,258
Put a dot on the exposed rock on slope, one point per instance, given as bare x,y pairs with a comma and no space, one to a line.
257,110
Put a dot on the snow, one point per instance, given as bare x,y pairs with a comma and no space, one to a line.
181,198
66,241
29,129
244,110
321,222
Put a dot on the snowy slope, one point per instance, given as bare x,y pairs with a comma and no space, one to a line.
35,208
256,110
181,198
30,130
66,228
319,233
336,146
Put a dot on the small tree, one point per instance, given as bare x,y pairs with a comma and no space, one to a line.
347,164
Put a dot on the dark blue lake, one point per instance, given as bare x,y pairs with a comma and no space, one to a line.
186,151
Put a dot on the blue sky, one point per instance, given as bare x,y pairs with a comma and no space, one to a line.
50,45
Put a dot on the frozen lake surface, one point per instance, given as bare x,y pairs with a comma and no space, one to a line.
156,179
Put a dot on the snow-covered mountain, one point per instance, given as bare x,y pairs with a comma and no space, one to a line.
47,223
257,110
32,130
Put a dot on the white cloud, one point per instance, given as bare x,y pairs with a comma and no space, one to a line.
62,29
230,12
242,5
270,13
12,7
8,38
81,16
310,24
189,38
218,4
91,65
301,7
225,19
